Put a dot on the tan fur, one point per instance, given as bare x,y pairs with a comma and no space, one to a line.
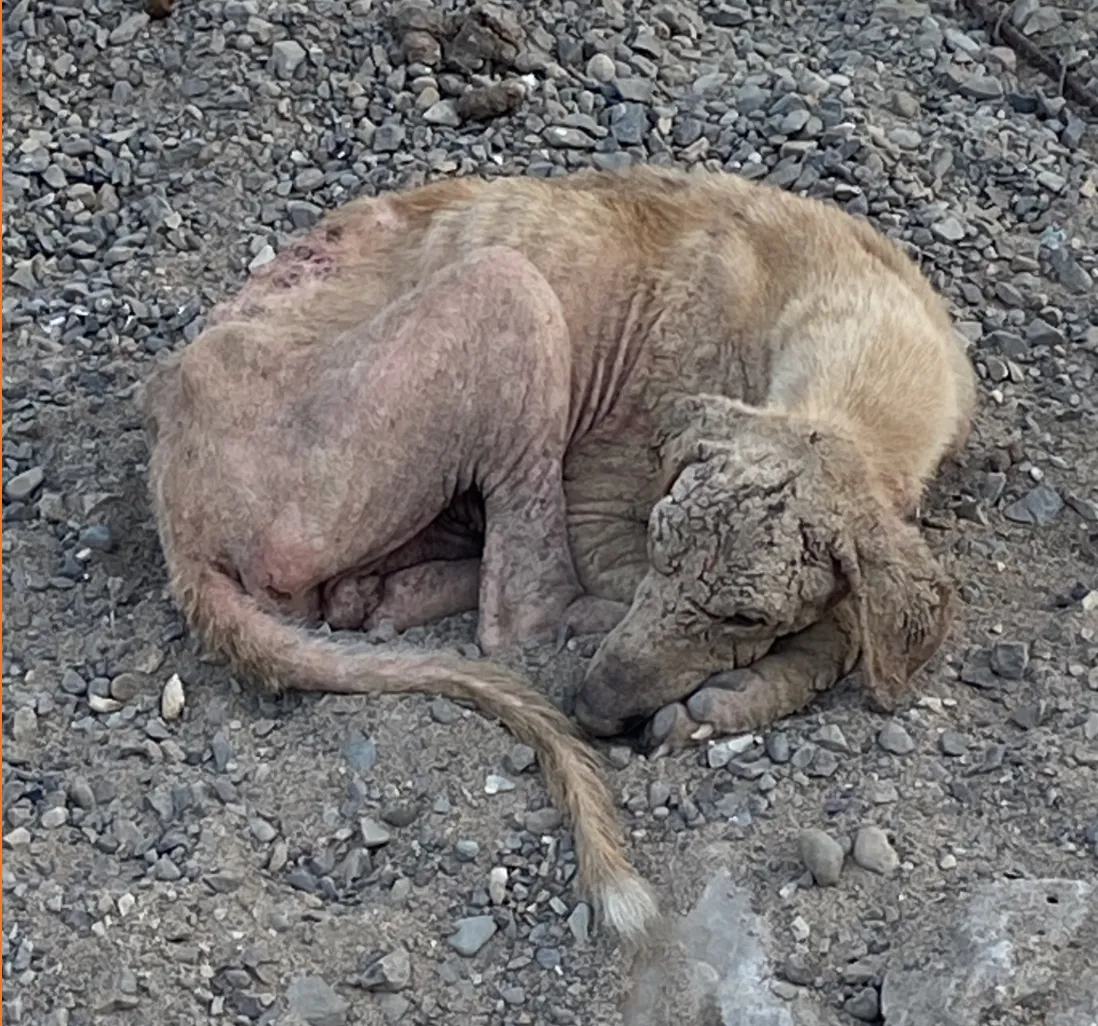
678,330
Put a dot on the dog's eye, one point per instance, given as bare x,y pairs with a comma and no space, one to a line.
747,619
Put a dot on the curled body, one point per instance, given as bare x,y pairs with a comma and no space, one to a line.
609,402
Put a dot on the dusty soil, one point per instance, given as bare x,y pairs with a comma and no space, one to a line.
251,862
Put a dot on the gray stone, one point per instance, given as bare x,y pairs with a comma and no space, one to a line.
1014,944
601,68
1043,19
579,922
126,31
751,98
893,738
393,1006
873,851
952,743
302,213
949,229
562,137
24,724
519,758
81,794
444,711
864,1005
777,747
831,737
645,42
443,113
542,821
388,138
822,855
1083,507
1051,180
53,818
466,850
1040,507
981,87
723,752
391,972
360,752
374,834
1009,659
1074,130
729,16
906,138
286,55
1069,272
315,1002
23,486
633,90
1040,333
628,123
308,179
472,934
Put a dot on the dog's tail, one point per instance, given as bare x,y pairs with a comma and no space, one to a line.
281,655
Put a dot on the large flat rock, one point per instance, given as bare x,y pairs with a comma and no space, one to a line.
1016,951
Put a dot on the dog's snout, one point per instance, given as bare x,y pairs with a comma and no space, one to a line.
603,703
593,721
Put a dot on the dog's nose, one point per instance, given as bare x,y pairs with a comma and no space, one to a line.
593,722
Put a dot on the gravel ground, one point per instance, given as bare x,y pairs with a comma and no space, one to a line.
328,861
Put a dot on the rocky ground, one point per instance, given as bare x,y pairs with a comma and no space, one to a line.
328,861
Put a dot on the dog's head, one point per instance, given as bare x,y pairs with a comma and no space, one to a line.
767,524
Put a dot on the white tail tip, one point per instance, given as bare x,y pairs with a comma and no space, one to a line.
629,906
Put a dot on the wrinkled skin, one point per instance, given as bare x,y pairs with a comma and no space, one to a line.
524,397
768,557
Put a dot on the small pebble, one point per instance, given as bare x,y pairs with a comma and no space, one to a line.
952,743
822,855
172,700
390,973
519,759
579,922
873,851
374,834
601,68
472,934
497,885
894,738
24,724
495,784
865,1005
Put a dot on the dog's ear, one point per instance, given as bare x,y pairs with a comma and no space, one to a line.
903,598
695,428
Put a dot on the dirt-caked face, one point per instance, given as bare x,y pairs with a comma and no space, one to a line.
736,562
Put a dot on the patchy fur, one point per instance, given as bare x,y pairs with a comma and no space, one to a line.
505,392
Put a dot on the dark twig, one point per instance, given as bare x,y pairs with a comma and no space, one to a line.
1003,31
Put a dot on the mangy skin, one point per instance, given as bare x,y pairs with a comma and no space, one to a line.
691,409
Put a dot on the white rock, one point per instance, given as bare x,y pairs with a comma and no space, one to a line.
497,884
873,851
172,699
725,751
601,68
102,704
495,784
17,838
264,256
